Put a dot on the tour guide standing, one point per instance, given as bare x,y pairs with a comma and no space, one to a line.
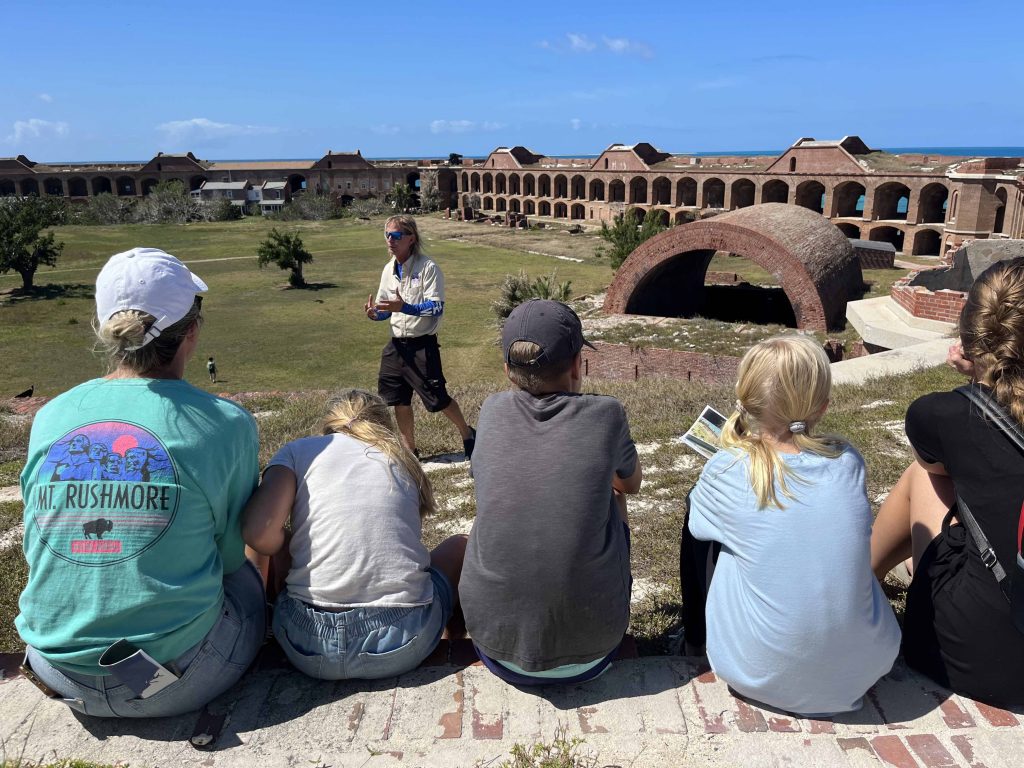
411,294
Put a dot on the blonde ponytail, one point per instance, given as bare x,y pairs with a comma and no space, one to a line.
367,418
781,382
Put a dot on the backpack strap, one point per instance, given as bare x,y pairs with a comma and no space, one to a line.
988,555
1009,427
994,411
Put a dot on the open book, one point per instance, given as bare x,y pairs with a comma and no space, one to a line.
705,435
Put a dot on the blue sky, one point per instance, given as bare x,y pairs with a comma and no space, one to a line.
254,79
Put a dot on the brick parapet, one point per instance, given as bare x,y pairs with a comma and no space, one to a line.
625,362
944,305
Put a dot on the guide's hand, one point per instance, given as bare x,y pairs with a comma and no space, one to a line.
955,359
369,309
391,305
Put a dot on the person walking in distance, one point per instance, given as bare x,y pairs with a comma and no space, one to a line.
211,368
411,296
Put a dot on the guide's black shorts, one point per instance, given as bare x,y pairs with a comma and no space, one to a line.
413,365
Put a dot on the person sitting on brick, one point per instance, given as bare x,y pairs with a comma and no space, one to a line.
546,582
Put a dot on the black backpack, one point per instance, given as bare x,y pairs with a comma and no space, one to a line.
1011,585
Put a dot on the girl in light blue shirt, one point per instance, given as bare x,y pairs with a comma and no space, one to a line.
795,616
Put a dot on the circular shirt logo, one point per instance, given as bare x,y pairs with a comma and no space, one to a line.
105,493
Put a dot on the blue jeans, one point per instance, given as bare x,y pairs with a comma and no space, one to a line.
207,669
361,643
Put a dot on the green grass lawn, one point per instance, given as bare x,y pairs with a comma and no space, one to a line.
263,335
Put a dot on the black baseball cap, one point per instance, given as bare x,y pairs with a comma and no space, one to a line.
551,325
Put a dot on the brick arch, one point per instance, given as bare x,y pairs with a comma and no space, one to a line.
811,260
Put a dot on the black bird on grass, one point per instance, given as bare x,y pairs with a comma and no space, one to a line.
28,392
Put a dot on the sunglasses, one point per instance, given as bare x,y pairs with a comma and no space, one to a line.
394,235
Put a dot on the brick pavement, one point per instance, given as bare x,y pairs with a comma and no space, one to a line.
655,711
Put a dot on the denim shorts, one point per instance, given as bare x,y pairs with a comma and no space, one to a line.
361,643
207,669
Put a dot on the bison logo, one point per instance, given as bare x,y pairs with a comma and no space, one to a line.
97,528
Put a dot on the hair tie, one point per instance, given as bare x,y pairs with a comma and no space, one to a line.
740,409
797,427
348,423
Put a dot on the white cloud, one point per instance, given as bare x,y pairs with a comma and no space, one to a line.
45,97
580,42
451,126
463,126
385,129
576,42
34,128
622,45
202,129
575,123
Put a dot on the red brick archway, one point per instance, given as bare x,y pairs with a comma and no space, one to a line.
811,260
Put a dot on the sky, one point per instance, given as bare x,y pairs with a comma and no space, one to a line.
114,80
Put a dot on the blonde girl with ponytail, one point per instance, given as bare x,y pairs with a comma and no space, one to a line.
363,597
794,618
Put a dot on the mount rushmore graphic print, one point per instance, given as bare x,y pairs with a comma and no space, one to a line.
106,492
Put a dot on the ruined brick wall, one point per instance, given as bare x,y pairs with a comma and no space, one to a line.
620,361
944,304
722,278
872,258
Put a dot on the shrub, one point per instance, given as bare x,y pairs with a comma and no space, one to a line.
168,203
309,206
105,208
221,210
400,197
515,289
370,206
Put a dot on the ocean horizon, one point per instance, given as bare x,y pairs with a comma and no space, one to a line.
948,151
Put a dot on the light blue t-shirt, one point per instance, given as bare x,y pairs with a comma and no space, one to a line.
133,494
795,617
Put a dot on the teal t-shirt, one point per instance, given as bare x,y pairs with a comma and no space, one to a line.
133,494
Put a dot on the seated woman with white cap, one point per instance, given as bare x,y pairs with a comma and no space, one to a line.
140,602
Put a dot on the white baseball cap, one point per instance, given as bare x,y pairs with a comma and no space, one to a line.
147,280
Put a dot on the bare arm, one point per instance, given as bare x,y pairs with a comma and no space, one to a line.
268,510
936,468
629,484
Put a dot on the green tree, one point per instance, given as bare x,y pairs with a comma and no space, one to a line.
625,235
454,158
401,197
23,245
430,194
286,251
